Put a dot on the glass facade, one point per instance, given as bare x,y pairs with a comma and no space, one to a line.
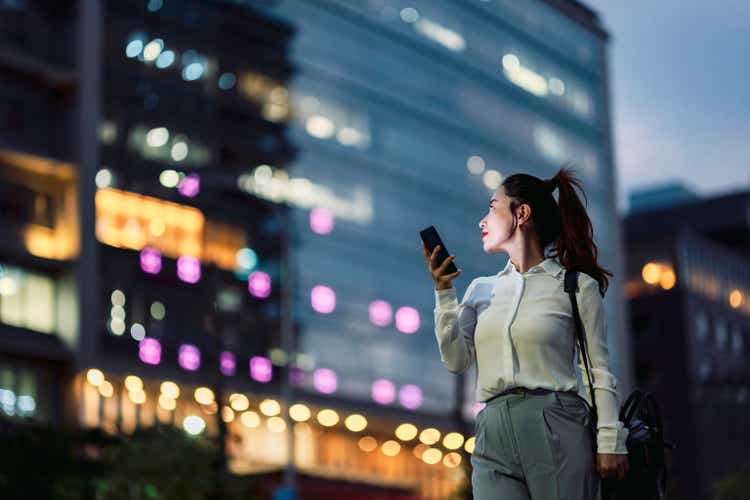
425,106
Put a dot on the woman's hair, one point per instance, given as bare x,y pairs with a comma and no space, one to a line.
564,222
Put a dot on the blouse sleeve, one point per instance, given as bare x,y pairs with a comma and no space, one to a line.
454,328
611,433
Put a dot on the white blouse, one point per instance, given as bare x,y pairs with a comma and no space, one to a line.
519,329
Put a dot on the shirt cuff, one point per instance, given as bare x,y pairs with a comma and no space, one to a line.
445,297
612,439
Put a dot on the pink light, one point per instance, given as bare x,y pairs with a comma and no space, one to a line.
323,299
380,313
260,369
149,350
259,284
477,408
189,357
383,391
296,376
410,396
189,269
190,185
321,220
227,363
325,381
150,260
407,319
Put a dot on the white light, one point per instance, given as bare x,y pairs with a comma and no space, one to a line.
525,78
8,286
556,86
492,179
103,178
152,49
134,48
158,311
192,71
194,425
442,35
179,151
511,62
349,136
319,126
118,298
117,326
137,331
165,59
409,15
26,404
475,164
157,137
169,178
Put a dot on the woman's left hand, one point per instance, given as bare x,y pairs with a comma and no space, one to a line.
612,465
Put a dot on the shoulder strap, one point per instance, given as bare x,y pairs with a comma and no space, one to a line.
571,284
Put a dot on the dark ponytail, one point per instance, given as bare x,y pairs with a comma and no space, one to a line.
564,223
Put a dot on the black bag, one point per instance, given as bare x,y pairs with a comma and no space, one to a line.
647,475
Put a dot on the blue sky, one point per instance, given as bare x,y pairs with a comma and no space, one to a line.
680,73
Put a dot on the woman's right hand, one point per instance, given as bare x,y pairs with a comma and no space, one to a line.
442,280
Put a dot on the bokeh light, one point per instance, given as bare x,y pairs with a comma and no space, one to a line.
188,269
259,284
189,357
149,351
321,220
261,369
323,299
381,313
325,380
383,391
410,396
407,319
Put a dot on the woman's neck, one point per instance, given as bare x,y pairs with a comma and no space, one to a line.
531,256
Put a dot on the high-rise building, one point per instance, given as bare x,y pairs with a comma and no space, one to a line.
397,115
688,285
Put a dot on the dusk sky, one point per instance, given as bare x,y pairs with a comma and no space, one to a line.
680,74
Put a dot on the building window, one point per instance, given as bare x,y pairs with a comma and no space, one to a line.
27,299
701,325
722,334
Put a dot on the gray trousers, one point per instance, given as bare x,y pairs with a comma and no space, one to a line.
535,446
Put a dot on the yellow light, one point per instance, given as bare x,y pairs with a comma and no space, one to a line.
95,377
355,422
367,443
106,389
453,440
406,432
390,448
651,273
419,449
328,418
432,456
299,412
170,389
137,397
302,428
276,424
469,445
668,279
167,403
269,407
157,227
452,459
429,436
735,299
204,395
133,383
227,414
239,402
250,419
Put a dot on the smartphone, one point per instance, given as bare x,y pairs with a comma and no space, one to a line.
432,239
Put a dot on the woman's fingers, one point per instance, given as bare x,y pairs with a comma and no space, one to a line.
445,263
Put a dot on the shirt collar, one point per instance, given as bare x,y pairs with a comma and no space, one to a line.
550,265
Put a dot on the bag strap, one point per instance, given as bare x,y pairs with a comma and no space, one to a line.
571,284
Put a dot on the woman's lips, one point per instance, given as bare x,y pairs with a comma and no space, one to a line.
484,234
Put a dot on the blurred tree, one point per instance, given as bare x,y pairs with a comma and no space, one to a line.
157,463
734,486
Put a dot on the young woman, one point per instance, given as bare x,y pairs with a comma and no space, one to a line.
533,438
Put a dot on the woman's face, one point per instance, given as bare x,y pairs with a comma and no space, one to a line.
497,225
